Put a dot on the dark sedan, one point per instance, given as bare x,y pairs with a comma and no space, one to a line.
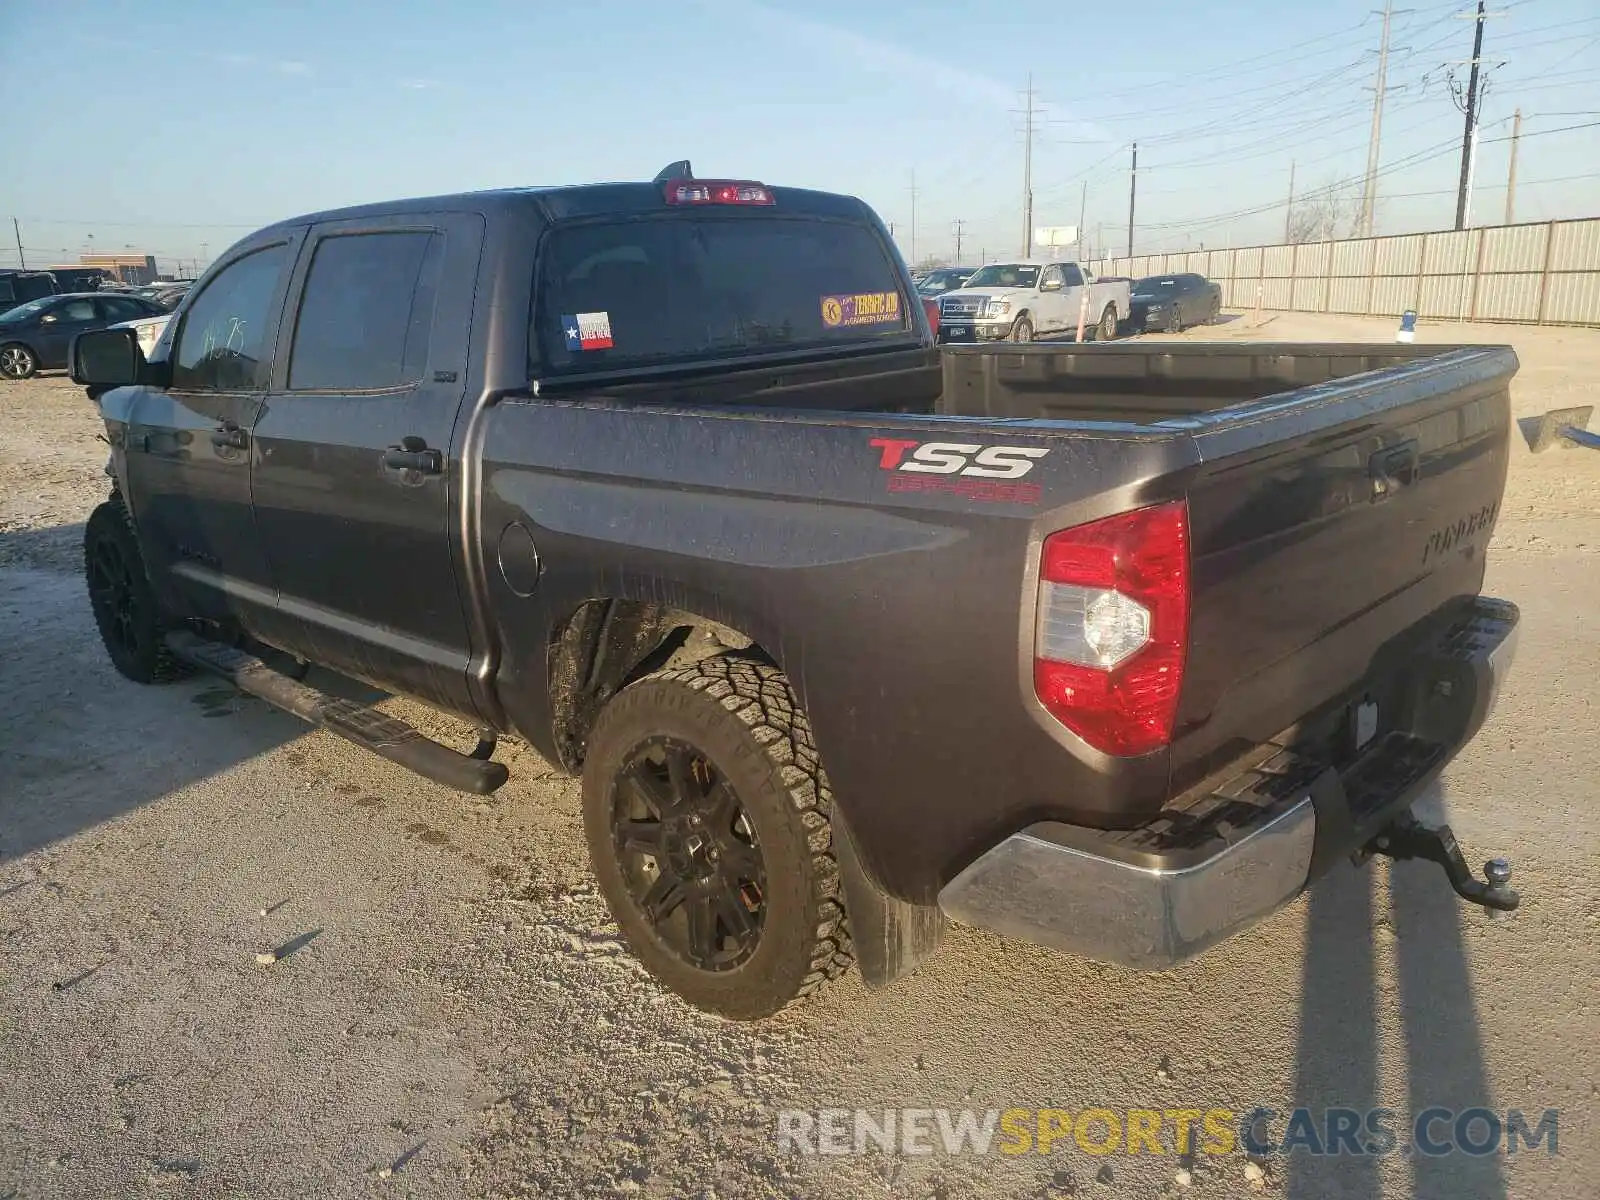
1171,303
37,335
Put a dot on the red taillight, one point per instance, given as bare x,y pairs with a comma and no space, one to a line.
717,191
931,307
1112,630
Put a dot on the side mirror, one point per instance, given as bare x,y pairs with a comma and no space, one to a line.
106,358
1053,285
49,319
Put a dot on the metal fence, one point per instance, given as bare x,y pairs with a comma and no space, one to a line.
1546,273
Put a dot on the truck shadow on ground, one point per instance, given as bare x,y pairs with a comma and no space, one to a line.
79,744
57,548
1349,943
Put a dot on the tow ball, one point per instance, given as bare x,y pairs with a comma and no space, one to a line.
1408,837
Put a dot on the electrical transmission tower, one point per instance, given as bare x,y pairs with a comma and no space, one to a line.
1369,192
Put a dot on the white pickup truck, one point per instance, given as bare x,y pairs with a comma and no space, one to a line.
1023,300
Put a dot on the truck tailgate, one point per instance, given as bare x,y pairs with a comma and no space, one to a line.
1323,528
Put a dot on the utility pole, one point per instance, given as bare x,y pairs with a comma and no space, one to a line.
1369,193
1133,183
913,218
1083,215
958,224
1027,174
1511,179
1469,136
22,261
1288,211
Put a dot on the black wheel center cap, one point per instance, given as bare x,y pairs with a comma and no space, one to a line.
687,847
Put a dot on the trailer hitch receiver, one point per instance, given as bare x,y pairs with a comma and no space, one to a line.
1408,837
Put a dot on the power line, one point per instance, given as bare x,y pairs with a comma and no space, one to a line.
1428,154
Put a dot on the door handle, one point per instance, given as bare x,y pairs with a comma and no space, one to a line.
412,454
230,437
1393,469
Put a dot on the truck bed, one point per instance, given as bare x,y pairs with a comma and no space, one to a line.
1142,383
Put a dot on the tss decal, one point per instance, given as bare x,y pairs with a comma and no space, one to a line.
956,458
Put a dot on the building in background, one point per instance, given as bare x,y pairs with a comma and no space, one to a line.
132,268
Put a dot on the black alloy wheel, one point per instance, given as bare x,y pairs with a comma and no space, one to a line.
689,854
130,619
708,820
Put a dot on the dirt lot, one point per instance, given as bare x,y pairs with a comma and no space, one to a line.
457,1018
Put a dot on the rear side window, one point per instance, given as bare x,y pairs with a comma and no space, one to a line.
367,312
686,288
120,308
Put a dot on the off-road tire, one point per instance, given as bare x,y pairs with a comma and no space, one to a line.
17,361
742,716
1022,329
109,538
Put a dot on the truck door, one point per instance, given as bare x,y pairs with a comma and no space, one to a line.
188,447
1052,300
1072,291
356,470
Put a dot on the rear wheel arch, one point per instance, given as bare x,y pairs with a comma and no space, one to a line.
607,642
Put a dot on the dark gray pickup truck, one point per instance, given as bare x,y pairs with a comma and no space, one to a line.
1113,648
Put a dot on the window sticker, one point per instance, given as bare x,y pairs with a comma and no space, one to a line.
587,331
863,308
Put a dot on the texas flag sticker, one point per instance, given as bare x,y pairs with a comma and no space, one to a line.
587,331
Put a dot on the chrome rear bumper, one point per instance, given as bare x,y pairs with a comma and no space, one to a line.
1143,900
1145,917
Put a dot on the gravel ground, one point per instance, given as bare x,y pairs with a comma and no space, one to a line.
453,1015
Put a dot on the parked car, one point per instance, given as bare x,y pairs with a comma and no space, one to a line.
35,336
1110,648
1171,303
18,287
170,297
1022,300
945,279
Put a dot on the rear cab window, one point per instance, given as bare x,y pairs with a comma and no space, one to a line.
694,287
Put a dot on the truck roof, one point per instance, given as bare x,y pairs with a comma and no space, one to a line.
562,202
